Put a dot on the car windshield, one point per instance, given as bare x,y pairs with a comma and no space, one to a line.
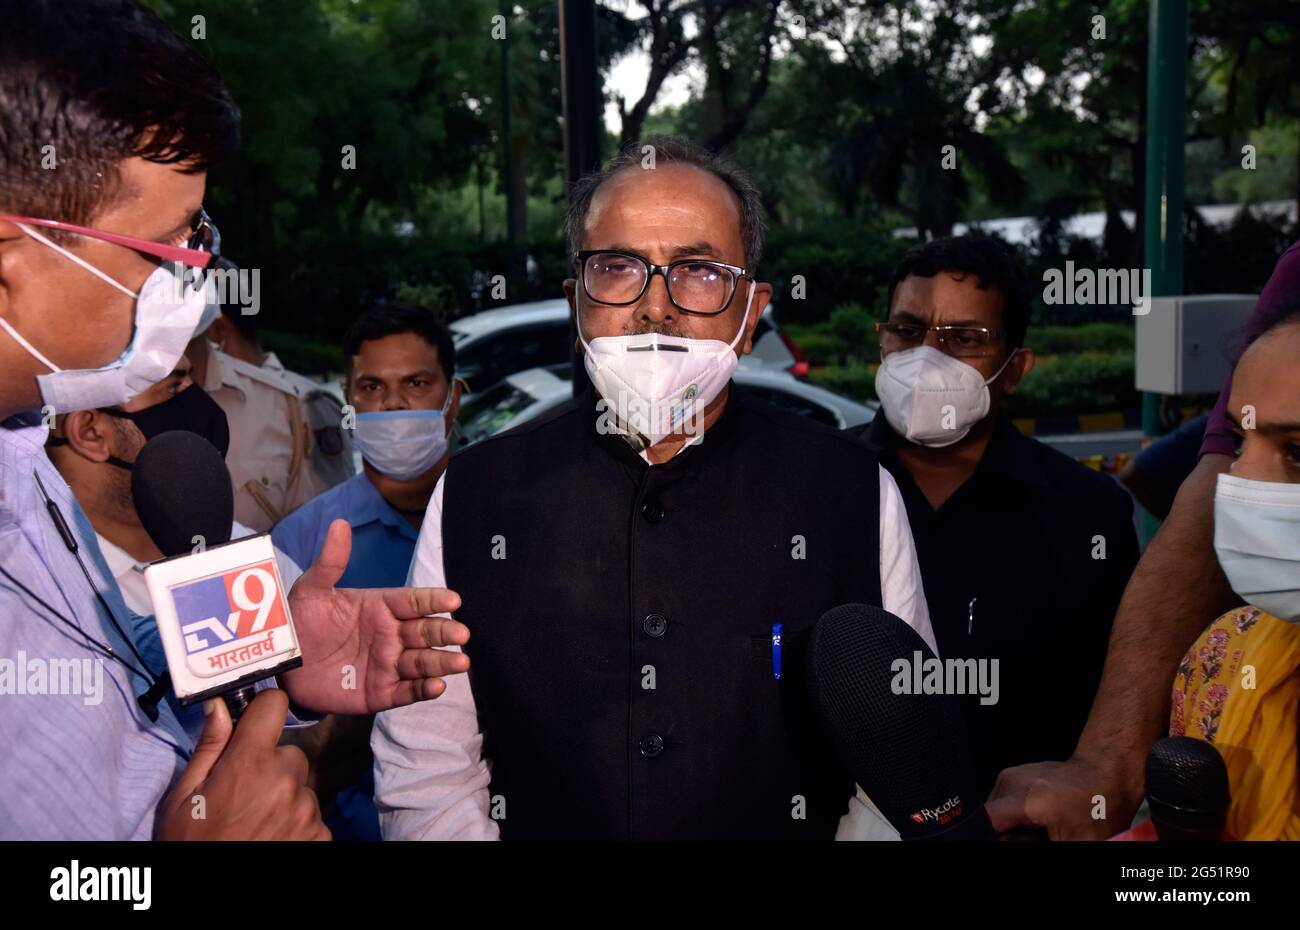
483,414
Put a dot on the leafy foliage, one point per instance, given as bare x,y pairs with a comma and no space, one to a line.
842,109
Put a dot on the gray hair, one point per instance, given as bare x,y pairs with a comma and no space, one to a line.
680,151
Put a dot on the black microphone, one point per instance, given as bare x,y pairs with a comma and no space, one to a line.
1187,789
220,607
182,489
908,752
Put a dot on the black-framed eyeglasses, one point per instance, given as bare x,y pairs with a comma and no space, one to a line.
957,341
695,285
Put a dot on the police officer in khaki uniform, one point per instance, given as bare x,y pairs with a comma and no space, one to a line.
287,444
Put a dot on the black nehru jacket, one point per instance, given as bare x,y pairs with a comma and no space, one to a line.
610,576
1011,571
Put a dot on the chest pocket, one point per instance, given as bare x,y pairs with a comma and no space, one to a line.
794,651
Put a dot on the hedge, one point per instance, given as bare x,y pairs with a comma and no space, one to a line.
1090,382
1086,337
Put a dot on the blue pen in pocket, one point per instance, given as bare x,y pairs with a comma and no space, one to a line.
776,651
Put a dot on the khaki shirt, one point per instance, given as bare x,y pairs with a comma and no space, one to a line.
271,445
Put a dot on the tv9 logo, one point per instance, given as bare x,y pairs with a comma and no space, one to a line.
232,617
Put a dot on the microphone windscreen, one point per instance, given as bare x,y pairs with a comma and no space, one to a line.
907,751
1187,788
181,488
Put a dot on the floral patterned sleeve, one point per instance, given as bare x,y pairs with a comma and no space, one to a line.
1200,686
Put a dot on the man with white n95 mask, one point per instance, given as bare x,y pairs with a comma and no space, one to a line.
642,566
1024,551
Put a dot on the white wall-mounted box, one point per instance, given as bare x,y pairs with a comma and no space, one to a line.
1188,344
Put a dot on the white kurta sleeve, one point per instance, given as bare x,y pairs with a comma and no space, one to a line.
431,780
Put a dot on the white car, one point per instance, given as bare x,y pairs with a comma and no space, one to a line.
528,394
493,344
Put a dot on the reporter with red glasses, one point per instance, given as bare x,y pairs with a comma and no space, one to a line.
108,123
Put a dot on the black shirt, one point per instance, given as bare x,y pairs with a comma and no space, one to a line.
1011,572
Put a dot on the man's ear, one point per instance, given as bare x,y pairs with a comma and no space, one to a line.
762,297
1017,368
219,331
454,411
571,295
87,432
9,232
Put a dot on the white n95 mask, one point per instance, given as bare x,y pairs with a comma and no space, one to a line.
1257,540
655,384
167,309
931,398
403,444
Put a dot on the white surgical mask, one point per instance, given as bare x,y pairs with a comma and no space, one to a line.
211,310
931,398
403,444
1257,540
167,309
653,383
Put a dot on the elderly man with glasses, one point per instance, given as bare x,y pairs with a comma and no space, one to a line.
1024,551
625,560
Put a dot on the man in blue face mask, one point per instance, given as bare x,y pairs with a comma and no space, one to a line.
404,397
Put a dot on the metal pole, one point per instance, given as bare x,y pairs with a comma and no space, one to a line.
583,130
1166,132
507,160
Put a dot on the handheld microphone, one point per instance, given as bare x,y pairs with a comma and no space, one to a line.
182,493
220,606
1187,789
908,752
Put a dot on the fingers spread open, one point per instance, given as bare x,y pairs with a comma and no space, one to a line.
432,632
407,603
417,689
430,663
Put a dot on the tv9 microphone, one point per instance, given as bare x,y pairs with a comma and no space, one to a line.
1187,789
221,609
908,752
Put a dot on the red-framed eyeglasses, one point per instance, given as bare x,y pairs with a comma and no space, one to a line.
201,251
